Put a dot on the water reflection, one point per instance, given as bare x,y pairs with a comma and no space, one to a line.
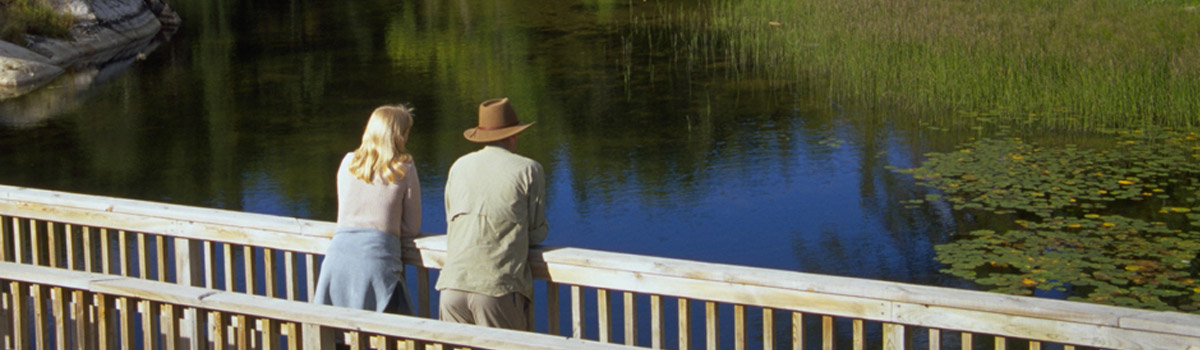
252,104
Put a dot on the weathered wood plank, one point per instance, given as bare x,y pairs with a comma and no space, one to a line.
685,324
768,336
894,337
658,327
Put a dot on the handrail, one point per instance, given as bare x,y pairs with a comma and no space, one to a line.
896,305
309,317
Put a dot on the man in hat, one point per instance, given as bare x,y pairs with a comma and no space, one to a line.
495,210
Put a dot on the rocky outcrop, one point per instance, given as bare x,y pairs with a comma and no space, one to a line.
102,28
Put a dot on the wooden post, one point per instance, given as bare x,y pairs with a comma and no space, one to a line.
160,254
125,322
712,331
228,257
209,266
1001,343
20,307
657,325
143,271
317,337
58,312
104,326
88,264
685,324
739,327
828,341
859,334
269,272
189,268
151,315
122,253
5,231
424,306
105,250
894,337
577,318
169,323
603,315
797,331
194,323
270,334
553,325
241,336
935,339
289,270
968,342
39,316
18,241
35,247
217,335
248,264
630,318
313,270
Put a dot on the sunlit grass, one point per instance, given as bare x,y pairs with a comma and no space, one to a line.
19,17
1075,64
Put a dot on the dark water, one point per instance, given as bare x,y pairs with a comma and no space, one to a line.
251,105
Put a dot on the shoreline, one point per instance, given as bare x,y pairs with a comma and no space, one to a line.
100,26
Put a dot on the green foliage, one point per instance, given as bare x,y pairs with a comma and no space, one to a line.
19,17
1115,225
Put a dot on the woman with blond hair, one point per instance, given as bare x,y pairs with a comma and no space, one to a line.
379,201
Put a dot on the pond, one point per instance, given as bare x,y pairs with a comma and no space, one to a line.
251,105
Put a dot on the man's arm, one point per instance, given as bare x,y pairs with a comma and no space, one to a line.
538,228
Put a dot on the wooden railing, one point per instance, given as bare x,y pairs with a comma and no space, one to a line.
654,302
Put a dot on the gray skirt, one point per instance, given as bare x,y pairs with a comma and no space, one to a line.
363,270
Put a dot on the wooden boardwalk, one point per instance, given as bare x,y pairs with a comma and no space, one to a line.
91,272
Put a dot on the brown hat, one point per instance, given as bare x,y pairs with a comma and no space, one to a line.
497,121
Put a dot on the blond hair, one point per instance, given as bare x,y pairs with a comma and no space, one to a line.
382,152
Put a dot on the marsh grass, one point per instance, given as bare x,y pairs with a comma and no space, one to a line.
1074,64
37,17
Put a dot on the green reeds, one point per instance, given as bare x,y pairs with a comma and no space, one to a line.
1075,64
19,17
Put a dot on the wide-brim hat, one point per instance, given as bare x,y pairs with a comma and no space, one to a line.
497,121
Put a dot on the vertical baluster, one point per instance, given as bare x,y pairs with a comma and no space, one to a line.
424,305
269,272
1001,343
86,234
313,270
827,336
210,267
797,330
228,257
1035,345
768,321
170,316
197,338
216,330
630,318
935,339
293,338
317,337
657,329
125,322
685,324
382,343
39,316
105,252
711,325
150,325
359,340
6,327
241,335
35,248
58,312
248,263
103,315
69,244
19,306
739,327
52,244
160,254
122,253
603,315
968,342
189,266
143,272
553,325
577,326
289,271
857,329
894,337
270,334
1068,347
19,241
5,231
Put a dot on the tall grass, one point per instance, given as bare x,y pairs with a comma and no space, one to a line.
37,17
1074,64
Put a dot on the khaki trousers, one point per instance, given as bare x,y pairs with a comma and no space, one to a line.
506,311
